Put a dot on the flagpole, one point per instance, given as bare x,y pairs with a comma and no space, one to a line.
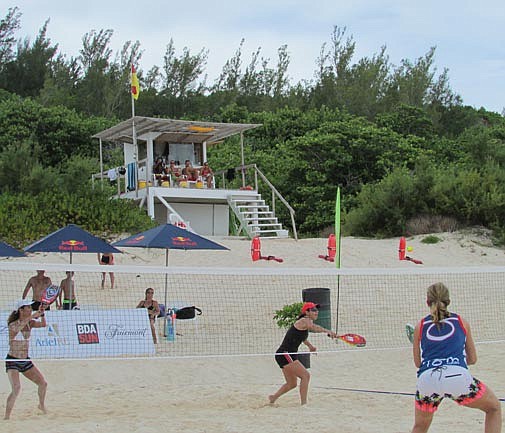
337,261
134,136
165,298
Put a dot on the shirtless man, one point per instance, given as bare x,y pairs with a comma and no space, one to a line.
38,283
189,171
68,291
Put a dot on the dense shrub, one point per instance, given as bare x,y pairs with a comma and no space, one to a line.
468,196
24,219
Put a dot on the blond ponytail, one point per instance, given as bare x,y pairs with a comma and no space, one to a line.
438,301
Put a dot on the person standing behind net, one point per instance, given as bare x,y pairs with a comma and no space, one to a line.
286,356
68,293
20,324
443,347
38,283
107,259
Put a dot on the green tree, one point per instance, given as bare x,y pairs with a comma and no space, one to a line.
407,120
8,26
26,72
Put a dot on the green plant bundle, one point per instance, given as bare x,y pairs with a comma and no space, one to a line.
287,315
431,239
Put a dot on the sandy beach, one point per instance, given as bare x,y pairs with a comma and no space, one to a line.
351,391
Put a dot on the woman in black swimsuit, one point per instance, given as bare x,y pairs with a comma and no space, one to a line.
107,259
286,355
153,309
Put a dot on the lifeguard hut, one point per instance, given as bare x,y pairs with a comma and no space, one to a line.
191,204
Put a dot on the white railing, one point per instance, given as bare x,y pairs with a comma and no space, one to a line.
258,175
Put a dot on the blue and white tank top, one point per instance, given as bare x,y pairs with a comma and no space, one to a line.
442,345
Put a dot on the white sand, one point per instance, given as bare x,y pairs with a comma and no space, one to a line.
217,395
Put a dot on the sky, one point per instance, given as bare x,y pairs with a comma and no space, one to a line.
468,35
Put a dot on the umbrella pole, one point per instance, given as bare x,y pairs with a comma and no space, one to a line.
166,290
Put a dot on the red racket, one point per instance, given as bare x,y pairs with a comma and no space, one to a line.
353,339
50,294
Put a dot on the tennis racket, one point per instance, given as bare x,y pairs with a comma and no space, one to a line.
50,294
409,330
352,339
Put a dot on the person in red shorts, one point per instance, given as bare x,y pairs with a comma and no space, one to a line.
189,171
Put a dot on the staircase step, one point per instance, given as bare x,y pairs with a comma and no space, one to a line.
252,208
250,201
277,226
256,217
258,212
280,233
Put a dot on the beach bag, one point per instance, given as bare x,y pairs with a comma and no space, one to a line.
187,313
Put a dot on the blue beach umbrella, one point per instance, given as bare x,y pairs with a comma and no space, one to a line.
71,239
7,251
169,237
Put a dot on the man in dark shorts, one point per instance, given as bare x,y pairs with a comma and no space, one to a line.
68,293
38,283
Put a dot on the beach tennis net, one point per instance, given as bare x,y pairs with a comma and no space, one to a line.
238,308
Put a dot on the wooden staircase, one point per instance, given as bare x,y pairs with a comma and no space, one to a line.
255,217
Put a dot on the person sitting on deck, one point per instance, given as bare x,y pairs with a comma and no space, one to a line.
207,174
160,171
189,171
174,171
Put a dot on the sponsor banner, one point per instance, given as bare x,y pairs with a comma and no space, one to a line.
87,334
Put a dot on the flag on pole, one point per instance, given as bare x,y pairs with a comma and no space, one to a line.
135,88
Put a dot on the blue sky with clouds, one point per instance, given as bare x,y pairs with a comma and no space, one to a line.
468,35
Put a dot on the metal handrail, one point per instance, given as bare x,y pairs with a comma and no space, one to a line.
275,193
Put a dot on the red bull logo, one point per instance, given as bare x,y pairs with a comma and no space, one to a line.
183,241
73,245
135,240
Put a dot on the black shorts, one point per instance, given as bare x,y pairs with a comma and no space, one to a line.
36,305
284,359
12,363
67,305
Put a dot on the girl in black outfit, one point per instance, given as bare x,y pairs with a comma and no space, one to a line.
106,259
286,355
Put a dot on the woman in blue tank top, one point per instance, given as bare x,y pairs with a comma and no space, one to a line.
286,356
443,349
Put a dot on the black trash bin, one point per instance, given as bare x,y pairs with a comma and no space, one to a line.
321,296
304,358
